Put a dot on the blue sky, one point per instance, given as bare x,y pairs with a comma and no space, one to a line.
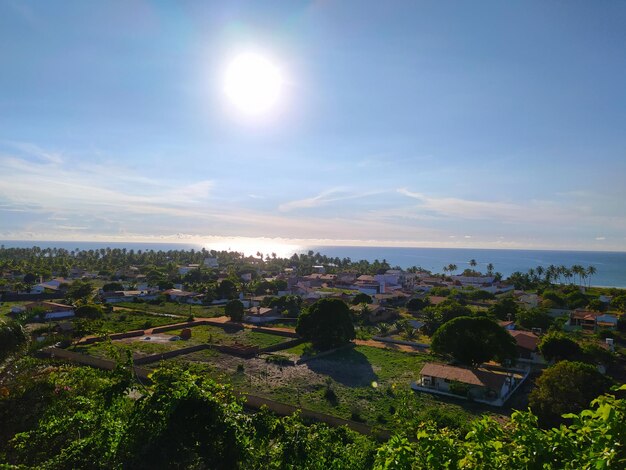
457,124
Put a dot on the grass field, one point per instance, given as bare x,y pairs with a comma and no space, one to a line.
120,322
217,335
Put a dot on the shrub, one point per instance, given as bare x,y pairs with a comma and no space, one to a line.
459,388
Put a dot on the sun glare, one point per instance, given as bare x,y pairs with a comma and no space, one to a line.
253,84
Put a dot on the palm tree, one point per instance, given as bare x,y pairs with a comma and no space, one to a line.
591,270
384,328
490,269
473,263
578,270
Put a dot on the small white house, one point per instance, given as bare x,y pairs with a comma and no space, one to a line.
492,386
52,310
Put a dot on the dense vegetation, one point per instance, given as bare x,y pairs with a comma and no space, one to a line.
68,417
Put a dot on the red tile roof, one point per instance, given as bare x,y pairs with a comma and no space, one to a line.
479,377
525,339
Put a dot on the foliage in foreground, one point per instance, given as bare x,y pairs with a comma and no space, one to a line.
67,417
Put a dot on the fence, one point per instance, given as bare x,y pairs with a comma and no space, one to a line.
170,354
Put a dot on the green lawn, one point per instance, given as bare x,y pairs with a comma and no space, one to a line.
217,335
119,322
5,309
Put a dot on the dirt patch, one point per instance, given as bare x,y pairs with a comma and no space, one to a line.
156,338
393,346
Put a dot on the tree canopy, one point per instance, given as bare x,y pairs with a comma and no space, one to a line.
234,310
91,311
566,387
73,417
327,323
557,346
437,315
474,340
361,298
12,336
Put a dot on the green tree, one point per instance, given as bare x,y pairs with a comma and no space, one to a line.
234,310
566,387
80,291
227,289
187,421
91,311
361,298
416,304
435,316
327,324
112,287
619,302
12,336
534,318
557,346
474,340
504,309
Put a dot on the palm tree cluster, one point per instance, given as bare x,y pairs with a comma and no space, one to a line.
553,275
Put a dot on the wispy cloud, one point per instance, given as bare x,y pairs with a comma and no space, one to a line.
324,198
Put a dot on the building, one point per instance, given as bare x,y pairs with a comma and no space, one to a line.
491,386
526,343
51,310
261,315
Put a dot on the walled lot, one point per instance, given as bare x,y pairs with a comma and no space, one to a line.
228,335
368,383
357,382
160,343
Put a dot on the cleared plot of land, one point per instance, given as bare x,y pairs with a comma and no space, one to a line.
228,336
137,346
160,343
360,383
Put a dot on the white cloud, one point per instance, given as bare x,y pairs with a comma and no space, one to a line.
325,197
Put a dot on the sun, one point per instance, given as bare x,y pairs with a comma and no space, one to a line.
253,84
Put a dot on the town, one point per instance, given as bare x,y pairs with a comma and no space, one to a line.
347,342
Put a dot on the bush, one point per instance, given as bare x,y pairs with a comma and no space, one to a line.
459,388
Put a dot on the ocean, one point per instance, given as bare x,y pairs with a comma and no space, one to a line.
610,266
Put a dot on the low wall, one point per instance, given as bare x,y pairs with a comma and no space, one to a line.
325,353
235,351
84,359
169,354
271,331
11,297
383,339
114,336
282,346
255,402
178,326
